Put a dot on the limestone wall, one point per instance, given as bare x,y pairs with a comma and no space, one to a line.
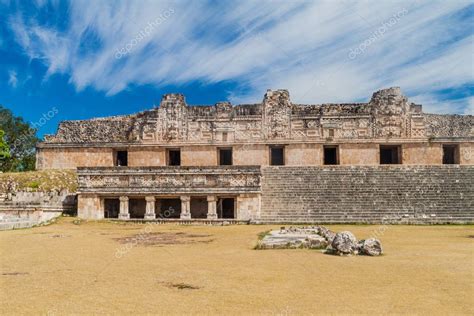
90,207
199,156
252,154
467,153
147,156
359,154
422,154
302,154
368,194
31,198
71,158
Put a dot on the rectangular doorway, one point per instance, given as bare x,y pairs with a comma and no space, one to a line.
277,155
111,208
174,157
137,207
121,158
225,156
450,154
168,208
331,155
390,154
198,207
226,208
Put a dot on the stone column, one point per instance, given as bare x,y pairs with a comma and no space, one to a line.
150,207
211,207
124,214
185,207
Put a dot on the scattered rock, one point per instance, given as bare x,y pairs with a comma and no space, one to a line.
318,237
77,221
316,242
330,236
344,243
371,247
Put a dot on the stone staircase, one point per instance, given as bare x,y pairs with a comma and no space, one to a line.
368,194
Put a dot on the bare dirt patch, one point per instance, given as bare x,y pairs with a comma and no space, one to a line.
15,273
165,238
180,286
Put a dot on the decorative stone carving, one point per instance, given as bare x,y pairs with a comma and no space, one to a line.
387,115
277,114
231,179
172,118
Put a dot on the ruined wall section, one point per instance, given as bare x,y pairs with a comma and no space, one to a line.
101,130
446,126
387,116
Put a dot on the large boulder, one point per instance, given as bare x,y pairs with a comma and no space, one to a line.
344,243
371,247
330,236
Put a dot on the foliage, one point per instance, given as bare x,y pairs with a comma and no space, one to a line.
4,148
20,139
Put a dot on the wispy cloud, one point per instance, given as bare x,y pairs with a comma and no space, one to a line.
303,46
12,78
470,106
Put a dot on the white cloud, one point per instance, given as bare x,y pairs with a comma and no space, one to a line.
434,104
299,45
470,106
12,78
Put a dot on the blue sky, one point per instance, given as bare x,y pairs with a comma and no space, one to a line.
86,59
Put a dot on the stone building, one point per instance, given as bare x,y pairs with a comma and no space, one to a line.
275,161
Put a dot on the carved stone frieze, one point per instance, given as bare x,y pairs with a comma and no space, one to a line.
169,179
388,114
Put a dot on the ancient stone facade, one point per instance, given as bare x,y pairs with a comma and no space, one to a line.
177,151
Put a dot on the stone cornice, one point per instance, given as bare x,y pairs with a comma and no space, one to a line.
257,142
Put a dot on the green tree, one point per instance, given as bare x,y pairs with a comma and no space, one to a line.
4,148
20,139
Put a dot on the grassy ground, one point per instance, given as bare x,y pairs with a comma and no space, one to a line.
44,181
96,268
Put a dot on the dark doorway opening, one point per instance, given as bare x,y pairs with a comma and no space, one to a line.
331,155
111,208
174,157
137,208
226,208
168,208
121,158
390,155
277,156
450,154
198,207
225,156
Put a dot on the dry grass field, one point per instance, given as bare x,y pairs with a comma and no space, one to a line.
95,268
